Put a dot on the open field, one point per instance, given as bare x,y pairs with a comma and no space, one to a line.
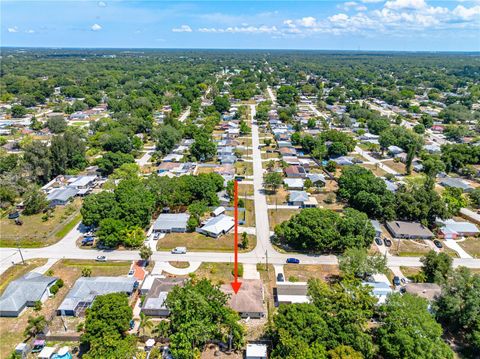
377,171
280,197
304,272
471,246
245,189
396,166
244,168
218,273
198,242
35,232
248,216
281,215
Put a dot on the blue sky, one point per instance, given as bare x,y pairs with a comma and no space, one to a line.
402,25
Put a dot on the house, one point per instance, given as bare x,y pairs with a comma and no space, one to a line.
292,160
248,302
380,290
82,182
343,161
154,303
301,199
281,144
394,150
287,151
227,160
295,172
378,228
294,183
172,157
86,289
287,293
61,196
167,167
433,148
409,230
451,229
24,292
171,222
217,226
317,179
256,351
391,186
428,291
456,183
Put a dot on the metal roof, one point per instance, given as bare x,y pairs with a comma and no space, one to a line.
62,194
167,221
86,289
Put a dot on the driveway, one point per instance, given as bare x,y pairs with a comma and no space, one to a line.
452,244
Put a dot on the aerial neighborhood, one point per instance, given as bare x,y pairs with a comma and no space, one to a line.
342,190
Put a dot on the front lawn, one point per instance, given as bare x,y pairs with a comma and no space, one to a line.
197,242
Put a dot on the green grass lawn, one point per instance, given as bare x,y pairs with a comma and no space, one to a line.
35,232
17,271
218,273
471,246
198,242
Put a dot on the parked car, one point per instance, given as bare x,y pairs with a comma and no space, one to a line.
396,281
179,250
132,324
131,272
387,242
438,244
293,260
101,259
87,241
280,277
378,241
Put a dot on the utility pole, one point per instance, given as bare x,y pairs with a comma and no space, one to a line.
266,260
21,256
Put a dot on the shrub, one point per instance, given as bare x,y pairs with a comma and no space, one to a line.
54,289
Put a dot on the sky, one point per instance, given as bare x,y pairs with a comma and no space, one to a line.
394,25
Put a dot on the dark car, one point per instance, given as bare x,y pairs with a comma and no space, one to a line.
293,260
396,281
87,241
378,241
438,244
387,242
280,277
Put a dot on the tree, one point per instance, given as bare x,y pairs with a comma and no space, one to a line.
409,330
18,111
86,272
273,180
221,103
67,152
145,253
199,313
35,202
357,262
167,137
323,230
244,243
106,324
99,206
145,323
475,197
56,124
287,95
134,237
454,200
419,128
344,352
38,165
162,329
111,232
203,149
436,267
458,307
35,326
112,160
432,166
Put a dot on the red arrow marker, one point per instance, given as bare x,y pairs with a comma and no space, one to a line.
235,284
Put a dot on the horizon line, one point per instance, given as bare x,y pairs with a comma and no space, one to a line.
229,49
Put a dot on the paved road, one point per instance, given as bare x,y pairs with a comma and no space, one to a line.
143,161
272,97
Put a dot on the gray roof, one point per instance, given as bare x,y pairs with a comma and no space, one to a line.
62,194
86,289
218,225
167,221
316,177
158,292
409,229
298,196
28,288
454,182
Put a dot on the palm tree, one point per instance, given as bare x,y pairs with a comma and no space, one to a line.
145,322
162,329
35,326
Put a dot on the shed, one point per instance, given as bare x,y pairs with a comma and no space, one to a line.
218,211
46,353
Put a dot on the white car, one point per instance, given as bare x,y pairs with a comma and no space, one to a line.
179,250
101,259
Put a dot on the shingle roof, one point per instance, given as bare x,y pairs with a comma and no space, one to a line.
298,196
28,288
167,221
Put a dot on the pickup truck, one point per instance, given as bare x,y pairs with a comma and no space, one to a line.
179,250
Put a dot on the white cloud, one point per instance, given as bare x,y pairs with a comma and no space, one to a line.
405,4
183,28
371,1
338,18
241,29
102,4
30,31
467,13
12,29
308,21
96,27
